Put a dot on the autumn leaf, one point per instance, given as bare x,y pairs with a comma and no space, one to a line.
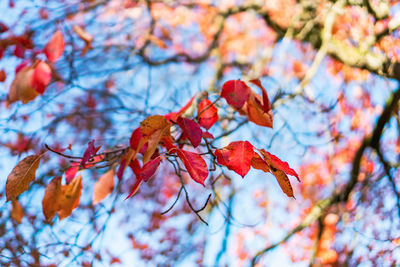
258,163
103,187
135,166
71,195
284,182
17,213
195,165
153,129
236,93
208,135
41,77
70,173
274,162
55,47
207,114
237,156
3,75
266,104
51,199
149,169
173,116
21,88
256,112
191,130
21,176
89,153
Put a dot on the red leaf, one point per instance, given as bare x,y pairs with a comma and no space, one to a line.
3,27
208,114
3,75
19,51
121,169
55,47
208,135
173,116
167,143
236,156
41,77
71,173
266,103
89,152
191,130
276,163
135,167
195,165
149,169
135,188
135,138
236,93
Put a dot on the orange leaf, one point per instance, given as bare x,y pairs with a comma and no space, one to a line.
153,129
103,187
17,213
71,195
256,113
21,176
51,199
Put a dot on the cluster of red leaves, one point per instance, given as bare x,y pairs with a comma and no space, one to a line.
32,77
154,141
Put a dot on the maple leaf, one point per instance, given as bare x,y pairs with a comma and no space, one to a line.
51,199
21,176
70,198
17,213
195,165
237,156
103,187
236,93
149,169
89,153
55,47
41,77
191,130
207,114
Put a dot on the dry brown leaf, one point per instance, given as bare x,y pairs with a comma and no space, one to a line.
51,199
21,176
103,187
153,129
17,213
284,182
71,195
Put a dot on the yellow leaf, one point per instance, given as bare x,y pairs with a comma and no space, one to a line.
51,199
20,177
71,195
17,213
103,187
